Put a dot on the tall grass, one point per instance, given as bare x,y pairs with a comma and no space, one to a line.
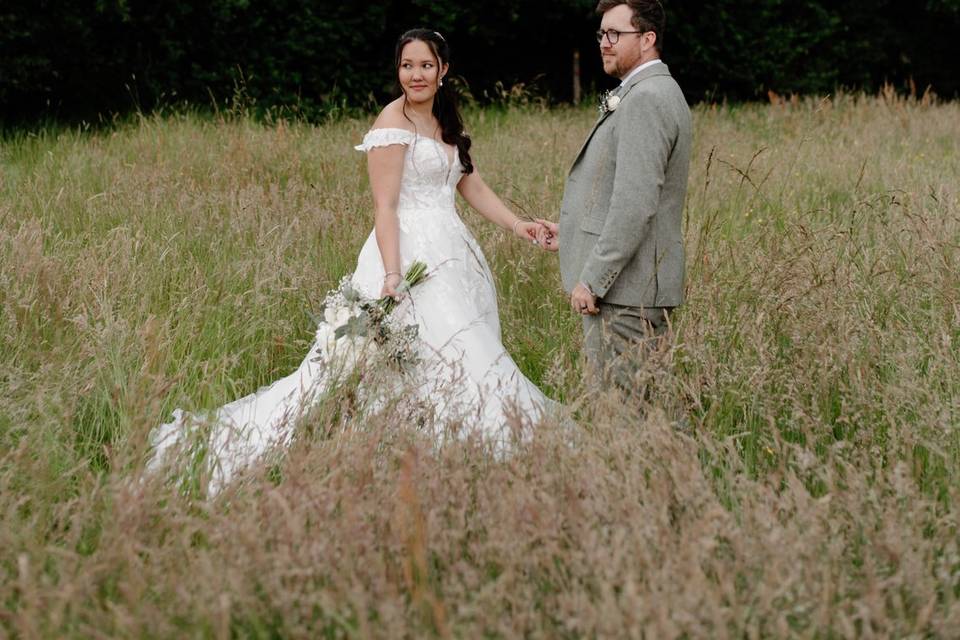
178,261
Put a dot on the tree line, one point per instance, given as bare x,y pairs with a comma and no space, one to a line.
70,59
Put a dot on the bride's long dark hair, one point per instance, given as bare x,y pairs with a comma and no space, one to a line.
445,102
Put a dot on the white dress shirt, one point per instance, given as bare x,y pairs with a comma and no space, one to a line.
638,69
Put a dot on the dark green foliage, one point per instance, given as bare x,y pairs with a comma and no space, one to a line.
79,58
73,59
736,49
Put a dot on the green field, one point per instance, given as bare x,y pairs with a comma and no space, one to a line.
177,261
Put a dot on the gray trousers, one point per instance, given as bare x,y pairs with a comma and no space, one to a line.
620,341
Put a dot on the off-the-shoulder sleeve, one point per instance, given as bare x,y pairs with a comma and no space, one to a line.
384,138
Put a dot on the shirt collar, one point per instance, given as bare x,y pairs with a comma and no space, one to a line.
638,69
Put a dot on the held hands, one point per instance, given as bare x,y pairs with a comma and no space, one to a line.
540,233
528,231
549,235
546,235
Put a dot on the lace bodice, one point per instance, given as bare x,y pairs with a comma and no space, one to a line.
430,176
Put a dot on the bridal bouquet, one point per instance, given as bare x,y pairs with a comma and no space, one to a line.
358,326
354,330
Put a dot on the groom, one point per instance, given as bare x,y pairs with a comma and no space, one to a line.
621,256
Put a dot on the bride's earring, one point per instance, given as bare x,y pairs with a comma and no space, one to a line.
441,82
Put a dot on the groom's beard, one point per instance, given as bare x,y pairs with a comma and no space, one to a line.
615,71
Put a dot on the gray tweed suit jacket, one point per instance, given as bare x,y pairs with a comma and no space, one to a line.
622,211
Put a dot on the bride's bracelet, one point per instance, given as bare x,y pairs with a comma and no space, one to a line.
391,273
515,225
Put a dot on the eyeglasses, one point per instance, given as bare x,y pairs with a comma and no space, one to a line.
613,36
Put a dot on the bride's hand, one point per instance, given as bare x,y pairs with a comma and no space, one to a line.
390,283
529,231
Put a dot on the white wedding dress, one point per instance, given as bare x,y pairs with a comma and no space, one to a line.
465,375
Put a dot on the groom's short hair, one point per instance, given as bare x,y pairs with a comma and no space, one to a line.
648,15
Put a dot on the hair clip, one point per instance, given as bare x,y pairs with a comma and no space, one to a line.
439,36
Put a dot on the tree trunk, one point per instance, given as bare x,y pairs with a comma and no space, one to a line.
577,88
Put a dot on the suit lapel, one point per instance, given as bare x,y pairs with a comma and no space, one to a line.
650,72
583,147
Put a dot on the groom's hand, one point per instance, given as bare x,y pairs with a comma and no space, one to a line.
582,301
549,235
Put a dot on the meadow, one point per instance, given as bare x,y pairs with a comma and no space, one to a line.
178,260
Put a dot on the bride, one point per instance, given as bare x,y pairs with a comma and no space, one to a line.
418,157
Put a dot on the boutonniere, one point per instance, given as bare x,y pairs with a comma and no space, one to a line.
609,102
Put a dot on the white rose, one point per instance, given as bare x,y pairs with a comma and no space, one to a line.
336,317
613,102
